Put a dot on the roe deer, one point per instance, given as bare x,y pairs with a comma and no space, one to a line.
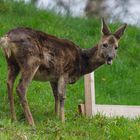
43,57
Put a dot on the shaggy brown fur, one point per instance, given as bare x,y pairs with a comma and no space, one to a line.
43,57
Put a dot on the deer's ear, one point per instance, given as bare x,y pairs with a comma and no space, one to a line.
120,31
105,28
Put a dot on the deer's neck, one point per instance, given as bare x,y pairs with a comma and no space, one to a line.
90,60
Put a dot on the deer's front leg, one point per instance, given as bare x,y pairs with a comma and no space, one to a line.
26,77
54,86
61,92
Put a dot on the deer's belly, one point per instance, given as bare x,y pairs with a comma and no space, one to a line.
44,76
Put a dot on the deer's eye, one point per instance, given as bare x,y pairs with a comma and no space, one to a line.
105,45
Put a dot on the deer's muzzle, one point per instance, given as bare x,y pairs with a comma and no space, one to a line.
109,60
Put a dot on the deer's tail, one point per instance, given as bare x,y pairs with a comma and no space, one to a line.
4,41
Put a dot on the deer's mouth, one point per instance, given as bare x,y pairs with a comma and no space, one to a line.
109,61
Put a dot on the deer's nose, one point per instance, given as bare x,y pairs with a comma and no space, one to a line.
110,57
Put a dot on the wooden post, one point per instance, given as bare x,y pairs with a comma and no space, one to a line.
89,94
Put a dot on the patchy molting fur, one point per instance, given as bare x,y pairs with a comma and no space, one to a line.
55,58
43,57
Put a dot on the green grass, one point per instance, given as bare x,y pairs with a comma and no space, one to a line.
116,84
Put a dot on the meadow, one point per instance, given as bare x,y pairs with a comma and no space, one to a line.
116,84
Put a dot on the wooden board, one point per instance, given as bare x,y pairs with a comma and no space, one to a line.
109,110
117,110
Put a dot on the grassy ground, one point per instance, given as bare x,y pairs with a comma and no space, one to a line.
116,84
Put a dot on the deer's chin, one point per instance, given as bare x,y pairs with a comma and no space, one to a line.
109,62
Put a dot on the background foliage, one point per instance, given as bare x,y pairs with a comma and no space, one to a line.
116,84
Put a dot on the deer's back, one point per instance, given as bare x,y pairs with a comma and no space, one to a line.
55,56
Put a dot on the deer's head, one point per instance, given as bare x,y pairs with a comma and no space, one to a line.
109,42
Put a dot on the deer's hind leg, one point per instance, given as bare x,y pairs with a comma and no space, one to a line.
27,73
13,71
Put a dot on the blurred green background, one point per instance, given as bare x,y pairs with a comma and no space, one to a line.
116,84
